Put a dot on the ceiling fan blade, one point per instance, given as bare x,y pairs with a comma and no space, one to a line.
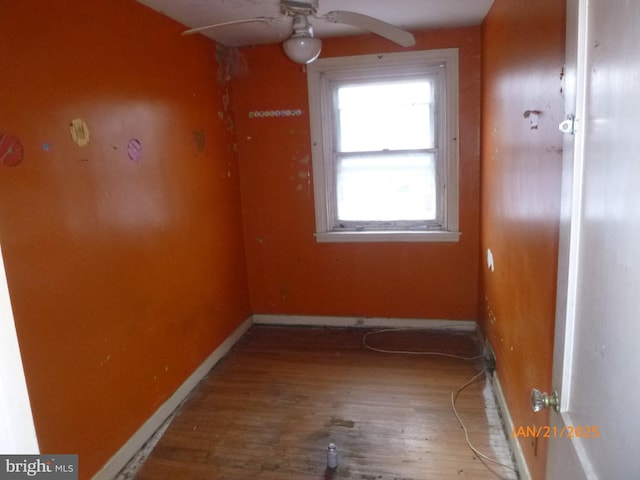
232,22
373,25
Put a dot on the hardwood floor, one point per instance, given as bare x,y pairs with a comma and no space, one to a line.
269,409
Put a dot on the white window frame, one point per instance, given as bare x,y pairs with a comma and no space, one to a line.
322,75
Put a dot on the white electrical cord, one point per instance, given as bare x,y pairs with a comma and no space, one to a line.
454,394
408,352
481,455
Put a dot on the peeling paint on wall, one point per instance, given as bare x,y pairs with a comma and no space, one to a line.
490,263
231,125
490,315
303,176
231,63
199,140
533,116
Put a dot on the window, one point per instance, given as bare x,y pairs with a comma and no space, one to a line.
384,144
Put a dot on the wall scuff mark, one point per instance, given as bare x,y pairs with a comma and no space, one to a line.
199,140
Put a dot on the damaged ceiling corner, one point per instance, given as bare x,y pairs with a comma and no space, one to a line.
231,63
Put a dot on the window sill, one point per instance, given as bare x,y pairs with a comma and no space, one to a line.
389,236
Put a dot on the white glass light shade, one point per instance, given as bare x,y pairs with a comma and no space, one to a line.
302,49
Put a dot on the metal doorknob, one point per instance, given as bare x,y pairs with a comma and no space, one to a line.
541,400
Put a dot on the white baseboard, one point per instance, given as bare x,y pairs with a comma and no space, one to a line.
146,431
362,322
518,454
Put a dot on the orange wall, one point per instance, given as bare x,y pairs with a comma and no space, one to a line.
123,276
289,273
523,56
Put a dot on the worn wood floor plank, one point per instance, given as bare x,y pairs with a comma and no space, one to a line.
269,409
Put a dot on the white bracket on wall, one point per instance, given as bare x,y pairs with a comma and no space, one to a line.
568,125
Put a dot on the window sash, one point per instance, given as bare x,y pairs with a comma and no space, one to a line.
380,194
378,128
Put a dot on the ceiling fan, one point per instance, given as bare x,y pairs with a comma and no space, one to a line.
302,47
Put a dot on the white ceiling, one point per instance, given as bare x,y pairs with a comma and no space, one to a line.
411,15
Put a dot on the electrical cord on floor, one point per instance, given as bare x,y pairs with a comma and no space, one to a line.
409,352
454,393
481,455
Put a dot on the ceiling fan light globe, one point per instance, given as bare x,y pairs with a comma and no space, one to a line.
301,49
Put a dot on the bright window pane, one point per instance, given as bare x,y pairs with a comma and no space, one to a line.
387,187
389,116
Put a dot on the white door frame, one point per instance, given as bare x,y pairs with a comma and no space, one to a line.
571,210
570,227
17,430
574,87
